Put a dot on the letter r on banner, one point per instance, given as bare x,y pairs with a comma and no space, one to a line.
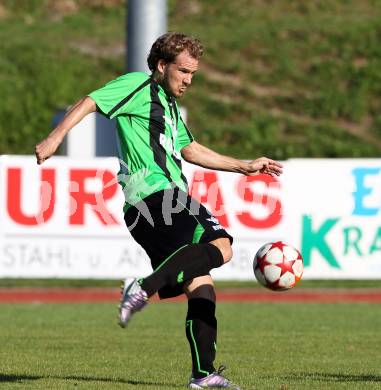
80,198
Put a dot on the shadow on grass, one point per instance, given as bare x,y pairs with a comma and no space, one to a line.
335,377
18,377
22,378
116,380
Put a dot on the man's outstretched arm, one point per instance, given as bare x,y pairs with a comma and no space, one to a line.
49,145
198,154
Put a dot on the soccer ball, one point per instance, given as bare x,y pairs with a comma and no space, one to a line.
278,266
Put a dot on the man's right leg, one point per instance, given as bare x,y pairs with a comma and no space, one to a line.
189,262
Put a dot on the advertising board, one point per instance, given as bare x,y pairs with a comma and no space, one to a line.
64,219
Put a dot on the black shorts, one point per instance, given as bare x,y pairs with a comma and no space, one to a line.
166,221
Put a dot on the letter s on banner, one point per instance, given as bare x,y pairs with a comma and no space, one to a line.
273,205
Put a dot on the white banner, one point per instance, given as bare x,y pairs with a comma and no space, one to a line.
334,209
64,219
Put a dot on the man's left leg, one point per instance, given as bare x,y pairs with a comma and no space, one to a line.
201,331
201,327
201,322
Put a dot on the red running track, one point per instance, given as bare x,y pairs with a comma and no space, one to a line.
73,295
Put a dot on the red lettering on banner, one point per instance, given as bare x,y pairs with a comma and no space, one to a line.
47,197
211,196
272,204
79,197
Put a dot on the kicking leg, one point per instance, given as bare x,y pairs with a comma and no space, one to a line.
188,262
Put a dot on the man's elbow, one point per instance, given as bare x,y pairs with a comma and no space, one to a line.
88,104
188,153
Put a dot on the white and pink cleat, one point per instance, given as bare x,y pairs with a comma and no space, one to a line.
133,299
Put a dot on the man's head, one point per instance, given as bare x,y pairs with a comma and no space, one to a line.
173,60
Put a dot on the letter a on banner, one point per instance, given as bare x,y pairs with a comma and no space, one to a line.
212,196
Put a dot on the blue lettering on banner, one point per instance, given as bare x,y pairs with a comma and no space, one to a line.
362,191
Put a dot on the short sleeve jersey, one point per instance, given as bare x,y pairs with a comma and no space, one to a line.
151,134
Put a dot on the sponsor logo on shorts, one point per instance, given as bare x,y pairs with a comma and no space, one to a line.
213,220
216,222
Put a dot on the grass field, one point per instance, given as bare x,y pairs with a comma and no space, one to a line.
265,346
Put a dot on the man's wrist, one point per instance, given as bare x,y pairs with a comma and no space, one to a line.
243,167
56,139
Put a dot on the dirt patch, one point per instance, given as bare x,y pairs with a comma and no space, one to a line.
95,295
97,51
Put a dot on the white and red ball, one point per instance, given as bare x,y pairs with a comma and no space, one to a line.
278,266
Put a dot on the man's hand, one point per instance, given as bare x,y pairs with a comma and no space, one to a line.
264,165
198,154
46,149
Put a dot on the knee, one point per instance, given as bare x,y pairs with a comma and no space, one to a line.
227,253
200,287
223,244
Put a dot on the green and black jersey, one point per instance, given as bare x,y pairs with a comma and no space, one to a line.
151,134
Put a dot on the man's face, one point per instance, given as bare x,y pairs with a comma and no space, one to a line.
177,75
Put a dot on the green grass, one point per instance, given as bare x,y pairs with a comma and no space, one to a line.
285,79
266,346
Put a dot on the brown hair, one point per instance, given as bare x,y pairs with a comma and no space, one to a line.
170,45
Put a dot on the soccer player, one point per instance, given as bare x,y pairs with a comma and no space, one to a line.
182,239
